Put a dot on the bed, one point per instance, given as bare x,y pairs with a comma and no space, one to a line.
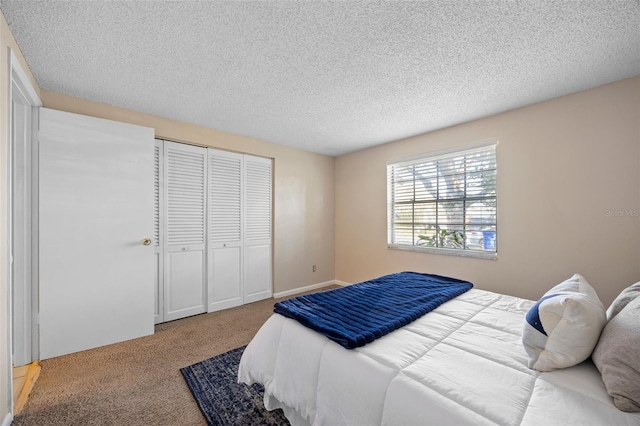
462,363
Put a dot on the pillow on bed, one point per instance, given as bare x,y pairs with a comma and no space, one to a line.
563,327
616,356
626,296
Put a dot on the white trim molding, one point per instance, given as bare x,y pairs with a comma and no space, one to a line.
303,289
18,74
17,77
7,420
341,283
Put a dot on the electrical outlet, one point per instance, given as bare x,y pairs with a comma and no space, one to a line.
314,268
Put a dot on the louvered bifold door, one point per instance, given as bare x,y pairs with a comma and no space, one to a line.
158,224
257,229
225,206
184,240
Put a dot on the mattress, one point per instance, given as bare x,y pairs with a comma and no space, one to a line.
462,363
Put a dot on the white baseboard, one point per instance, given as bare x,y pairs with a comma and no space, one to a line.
7,420
341,283
303,289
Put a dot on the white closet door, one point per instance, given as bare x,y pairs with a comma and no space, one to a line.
184,251
225,230
158,236
257,229
95,206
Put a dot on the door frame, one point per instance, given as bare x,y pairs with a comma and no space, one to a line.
26,304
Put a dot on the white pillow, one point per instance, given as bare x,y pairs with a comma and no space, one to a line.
563,327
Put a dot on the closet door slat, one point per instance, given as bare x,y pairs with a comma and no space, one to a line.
258,199
225,198
186,195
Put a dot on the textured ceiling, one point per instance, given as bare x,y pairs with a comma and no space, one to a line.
324,76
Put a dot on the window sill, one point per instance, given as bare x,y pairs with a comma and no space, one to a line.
491,255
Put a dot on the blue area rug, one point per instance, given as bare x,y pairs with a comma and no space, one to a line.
224,401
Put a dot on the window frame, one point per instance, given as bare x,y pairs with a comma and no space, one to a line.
425,159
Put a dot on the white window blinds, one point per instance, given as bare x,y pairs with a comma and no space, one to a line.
446,202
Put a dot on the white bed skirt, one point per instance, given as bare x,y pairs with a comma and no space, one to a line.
462,363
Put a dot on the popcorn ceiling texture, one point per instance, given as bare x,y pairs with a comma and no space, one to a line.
324,76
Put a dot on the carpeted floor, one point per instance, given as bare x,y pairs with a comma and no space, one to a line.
138,382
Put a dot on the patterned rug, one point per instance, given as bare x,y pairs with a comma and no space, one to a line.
224,401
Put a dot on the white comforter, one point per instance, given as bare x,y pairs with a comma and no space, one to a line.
462,363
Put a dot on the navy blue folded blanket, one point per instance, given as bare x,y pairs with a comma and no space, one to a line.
355,315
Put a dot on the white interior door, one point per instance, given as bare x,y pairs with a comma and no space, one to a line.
257,282
96,207
225,230
184,243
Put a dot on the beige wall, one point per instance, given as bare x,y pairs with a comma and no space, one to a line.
6,41
562,165
303,189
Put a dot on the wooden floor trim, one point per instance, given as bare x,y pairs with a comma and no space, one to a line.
23,381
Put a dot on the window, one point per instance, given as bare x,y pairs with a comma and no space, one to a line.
444,202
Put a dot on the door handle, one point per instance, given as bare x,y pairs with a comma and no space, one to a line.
146,241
